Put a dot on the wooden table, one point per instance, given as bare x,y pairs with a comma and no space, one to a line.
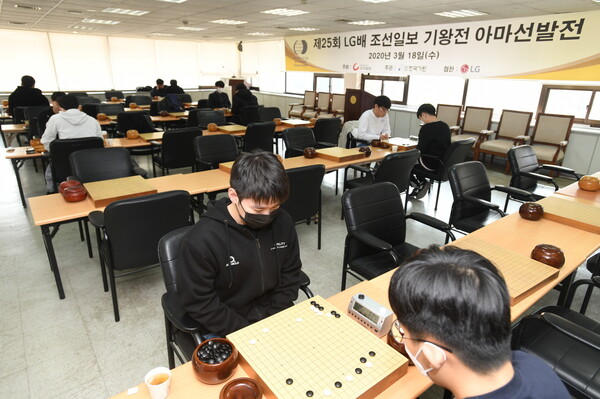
18,158
573,190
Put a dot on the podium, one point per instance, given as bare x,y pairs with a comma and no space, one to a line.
357,101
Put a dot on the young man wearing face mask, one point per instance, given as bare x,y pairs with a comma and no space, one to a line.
218,98
241,262
453,316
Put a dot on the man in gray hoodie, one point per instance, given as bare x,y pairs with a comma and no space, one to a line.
68,123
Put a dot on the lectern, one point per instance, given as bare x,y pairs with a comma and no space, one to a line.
357,101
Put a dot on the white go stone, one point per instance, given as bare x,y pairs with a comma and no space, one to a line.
265,330
369,364
252,341
327,392
299,319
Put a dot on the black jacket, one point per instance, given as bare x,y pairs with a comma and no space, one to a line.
156,92
218,100
241,100
173,90
434,139
25,96
230,276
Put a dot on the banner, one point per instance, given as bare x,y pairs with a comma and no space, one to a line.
553,47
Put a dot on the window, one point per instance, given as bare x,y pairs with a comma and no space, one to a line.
435,90
298,82
583,102
329,83
500,94
395,87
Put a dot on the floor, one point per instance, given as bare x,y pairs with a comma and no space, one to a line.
72,348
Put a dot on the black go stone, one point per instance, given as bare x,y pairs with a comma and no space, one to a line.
289,381
338,384
313,303
309,394
337,315
363,360
214,352
321,308
371,353
358,370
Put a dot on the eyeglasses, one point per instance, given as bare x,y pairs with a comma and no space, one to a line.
384,109
398,336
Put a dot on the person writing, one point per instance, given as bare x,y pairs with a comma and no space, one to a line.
173,88
218,98
26,95
374,124
241,262
160,89
453,312
242,99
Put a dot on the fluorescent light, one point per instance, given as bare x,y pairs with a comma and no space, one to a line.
367,22
162,34
376,1
99,21
304,29
123,11
260,34
84,28
460,13
228,22
190,28
173,1
28,7
286,12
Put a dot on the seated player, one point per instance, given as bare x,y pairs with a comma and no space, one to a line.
218,98
453,316
241,262
374,124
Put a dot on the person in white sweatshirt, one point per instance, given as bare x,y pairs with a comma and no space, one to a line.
68,123
374,124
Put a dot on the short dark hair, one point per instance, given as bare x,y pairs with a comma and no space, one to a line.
383,101
260,176
160,82
173,82
219,83
459,298
241,86
57,94
27,81
427,109
68,101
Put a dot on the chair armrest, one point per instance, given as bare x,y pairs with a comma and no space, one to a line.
523,138
571,329
370,240
96,218
563,143
484,203
293,104
324,144
536,176
561,169
140,171
204,163
487,132
432,222
154,143
513,191
182,322
454,127
364,169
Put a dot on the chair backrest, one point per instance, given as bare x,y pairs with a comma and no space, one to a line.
297,138
337,103
61,150
304,200
514,123
477,119
522,159
141,99
250,114
113,93
449,114
397,167
324,102
184,98
90,109
310,97
327,130
178,147
168,252
33,115
88,100
110,109
33,111
101,164
259,135
138,120
267,114
212,150
376,209
552,129
78,93
18,114
456,153
135,225
468,179
203,118
203,103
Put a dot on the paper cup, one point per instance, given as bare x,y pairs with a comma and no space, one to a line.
158,380
394,148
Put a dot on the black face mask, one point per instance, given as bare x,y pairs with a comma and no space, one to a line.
256,220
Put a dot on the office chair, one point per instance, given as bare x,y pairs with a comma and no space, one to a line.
327,132
376,224
128,232
103,164
60,153
111,109
139,100
259,135
140,121
108,95
296,139
88,100
203,103
78,93
201,118
177,150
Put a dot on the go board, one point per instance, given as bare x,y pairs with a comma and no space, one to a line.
104,192
520,273
231,128
571,213
314,350
339,154
295,122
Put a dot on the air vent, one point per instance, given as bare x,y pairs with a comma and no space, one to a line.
342,20
17,23
75,12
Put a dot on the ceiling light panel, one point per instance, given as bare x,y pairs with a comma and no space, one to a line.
123,11
367,22
260,34
286,12
162,34
173,1
190,28
228,22
28,7
304,29
460,13
99,21
376,1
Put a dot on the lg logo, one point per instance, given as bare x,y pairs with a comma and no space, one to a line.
464,68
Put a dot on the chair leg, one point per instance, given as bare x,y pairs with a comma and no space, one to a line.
586,299
102,264
80,225
169,334
113,291
437,197
87,239
336,181
506,202
153,169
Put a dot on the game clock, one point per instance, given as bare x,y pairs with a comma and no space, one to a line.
372,315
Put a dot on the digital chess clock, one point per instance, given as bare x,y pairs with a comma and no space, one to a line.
372,315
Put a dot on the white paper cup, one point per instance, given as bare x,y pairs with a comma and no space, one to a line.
161,390
394,148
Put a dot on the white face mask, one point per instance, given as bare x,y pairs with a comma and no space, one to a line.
417,363
219,89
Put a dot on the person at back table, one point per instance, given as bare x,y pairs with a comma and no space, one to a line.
160,89
68,123
218,98
241,99
173,89
453,311
374,124
26,95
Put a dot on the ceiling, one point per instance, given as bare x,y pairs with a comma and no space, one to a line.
163,18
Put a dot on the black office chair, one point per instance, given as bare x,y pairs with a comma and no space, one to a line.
88,100
203,103
376,225
327,132
37,116
456,153
111,109
177,150
18,115
78,93
90,109
182,332
128,232
568,342
210,151
259,135
60,153
304,201
250,115
525,171
184,98
296,139
353,142
140,121
267,114
472,192
103,164
138,99
201,118
108,95
395,168
593,266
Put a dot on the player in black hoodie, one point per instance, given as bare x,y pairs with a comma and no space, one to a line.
241,261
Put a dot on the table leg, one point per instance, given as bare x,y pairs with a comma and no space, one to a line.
47,236
564,290
16,166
